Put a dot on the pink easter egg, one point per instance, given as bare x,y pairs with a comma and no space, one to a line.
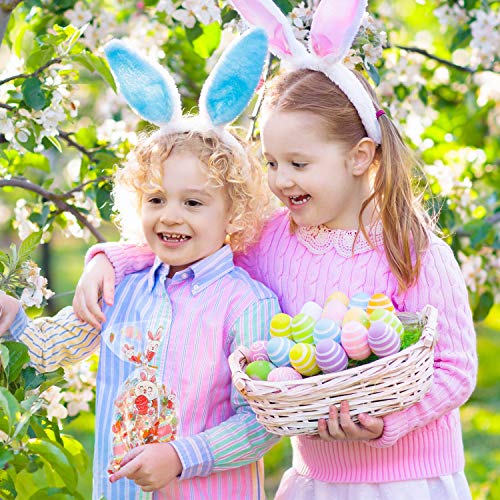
334,310
330,356
354,340
283,373
383,339
258,351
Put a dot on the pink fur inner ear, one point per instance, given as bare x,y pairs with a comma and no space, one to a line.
257,14
335,25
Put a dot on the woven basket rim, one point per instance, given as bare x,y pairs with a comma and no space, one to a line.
427,317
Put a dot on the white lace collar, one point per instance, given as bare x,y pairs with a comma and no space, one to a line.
321,239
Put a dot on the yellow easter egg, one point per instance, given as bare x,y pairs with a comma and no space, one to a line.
303,359
379,301
356,314
281,325
341,297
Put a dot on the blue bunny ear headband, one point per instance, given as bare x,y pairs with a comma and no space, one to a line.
334,27
151,91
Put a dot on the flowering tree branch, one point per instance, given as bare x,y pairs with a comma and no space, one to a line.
54,198
35,73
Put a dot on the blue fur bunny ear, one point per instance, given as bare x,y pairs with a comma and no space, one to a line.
232,83
148,88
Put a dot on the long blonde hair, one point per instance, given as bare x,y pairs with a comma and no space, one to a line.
404,222
232,168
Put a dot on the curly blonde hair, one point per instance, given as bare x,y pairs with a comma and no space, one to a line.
229,167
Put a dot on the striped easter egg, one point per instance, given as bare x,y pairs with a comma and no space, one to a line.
303,359
302,328
354,339
326,328
258,351
330,356
387,317
379,301
278,349
360,299
341,297
283,373
356,314
334,310
383,339
281,325
312,309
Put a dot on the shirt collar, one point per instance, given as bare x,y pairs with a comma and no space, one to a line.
201,273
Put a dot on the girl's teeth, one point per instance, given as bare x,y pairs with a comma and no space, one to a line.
299,200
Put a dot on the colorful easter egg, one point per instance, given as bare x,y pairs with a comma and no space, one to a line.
383,339
360,299
281,325
312,309
259,370
283,373
258,351
326,328
330,356
379,301
302,328
303,359
335,310
356,314
341,297
278,349
354,339
387,317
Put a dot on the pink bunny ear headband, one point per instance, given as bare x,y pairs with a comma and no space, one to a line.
334,26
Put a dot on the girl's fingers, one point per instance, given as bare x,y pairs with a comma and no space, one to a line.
108,293
374,425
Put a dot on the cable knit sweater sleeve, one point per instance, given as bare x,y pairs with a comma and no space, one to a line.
440,284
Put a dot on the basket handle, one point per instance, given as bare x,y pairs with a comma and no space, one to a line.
430,332
237,361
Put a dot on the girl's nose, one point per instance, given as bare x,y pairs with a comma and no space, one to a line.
170,215
283,179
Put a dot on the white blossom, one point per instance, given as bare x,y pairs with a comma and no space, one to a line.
79,15
166,6
472,269
55,409
22,223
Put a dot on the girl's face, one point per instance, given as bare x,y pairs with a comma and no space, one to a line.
317,179
186,220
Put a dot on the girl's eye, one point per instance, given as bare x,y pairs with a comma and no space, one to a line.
271,164
155,200
193,203
297,164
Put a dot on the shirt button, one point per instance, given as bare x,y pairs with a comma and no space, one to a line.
184,275
196,287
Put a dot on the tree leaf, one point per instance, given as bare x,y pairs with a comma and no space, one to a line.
55,456
33,94
4,356
19,356
484,305
29,245
9,407
208,41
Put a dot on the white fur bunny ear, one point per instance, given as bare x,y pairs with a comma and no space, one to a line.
267,15
334,26
148,88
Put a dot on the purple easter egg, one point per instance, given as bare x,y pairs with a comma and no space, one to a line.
383,339
258,351
283,373
330,356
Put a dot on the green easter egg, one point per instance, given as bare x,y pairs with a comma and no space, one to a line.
259,370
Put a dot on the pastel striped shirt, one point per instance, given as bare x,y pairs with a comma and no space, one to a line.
206,311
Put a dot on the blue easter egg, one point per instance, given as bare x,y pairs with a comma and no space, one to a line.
326,328
278,349
360,299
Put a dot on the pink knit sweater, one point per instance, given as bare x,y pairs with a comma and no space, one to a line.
422,441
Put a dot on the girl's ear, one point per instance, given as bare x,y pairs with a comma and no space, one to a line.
362,155
334,26
148,88
232,83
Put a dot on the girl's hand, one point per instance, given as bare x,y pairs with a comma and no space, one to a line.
150,466
340,427
98,276
8,310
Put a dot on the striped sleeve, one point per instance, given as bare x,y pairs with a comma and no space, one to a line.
441,284
240,439
57,341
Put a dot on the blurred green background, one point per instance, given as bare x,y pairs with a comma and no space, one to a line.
480,416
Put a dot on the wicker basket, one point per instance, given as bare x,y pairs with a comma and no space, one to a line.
290,408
